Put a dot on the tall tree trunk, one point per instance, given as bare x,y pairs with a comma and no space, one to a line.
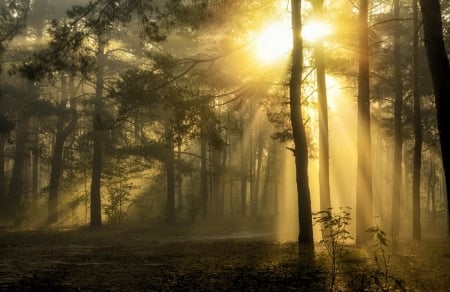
16,190
398,137
217,180
298,129
35,154
257,180
364,171
417,234
324,156
440,75
244,172
179,179
98,139
270,171
2,173
170,174
204,170
62,133
252,165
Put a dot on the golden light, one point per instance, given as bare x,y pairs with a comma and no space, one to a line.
274,42
315,30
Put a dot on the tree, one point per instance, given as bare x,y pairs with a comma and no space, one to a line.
417,126
364,172
398,136
324,153
13,16
440,74
298,129
61,61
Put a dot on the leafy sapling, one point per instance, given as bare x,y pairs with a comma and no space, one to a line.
382,257
334,235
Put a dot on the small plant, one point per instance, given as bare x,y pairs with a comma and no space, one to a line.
382,257
334,235
119,189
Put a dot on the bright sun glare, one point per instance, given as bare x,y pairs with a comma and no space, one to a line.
315,30
274,41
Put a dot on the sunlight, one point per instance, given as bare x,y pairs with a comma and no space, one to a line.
315,30
334,92
273,42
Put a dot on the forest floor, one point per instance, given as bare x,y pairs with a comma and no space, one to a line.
168,259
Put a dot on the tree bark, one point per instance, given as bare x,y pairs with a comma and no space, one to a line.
62,133
98,132
417,234
298,129
364,164
204,170
244,172
440,75
2,174
398,137
324,156
16,190
170,174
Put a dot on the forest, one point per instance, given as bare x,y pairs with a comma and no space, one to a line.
225,142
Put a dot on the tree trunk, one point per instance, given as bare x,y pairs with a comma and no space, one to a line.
16,190
440,75
98,139
417,234
204,171
364,171
217,180
298,129
324,159
257,181
244,173
179,180
398,137
2,174
62,133
170,174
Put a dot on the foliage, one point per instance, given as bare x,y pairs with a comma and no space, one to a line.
334,235
119,188
382,277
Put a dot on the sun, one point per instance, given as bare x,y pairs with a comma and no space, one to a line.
273,42
315,30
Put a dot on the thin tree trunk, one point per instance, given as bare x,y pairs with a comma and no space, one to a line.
170,174
398,137
16,190
324,159
364,171
216,183
440,75
417,233
179,180
298,129
204,171
257,176
98,139
2,173
57,158
244,173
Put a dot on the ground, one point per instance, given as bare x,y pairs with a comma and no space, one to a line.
184,258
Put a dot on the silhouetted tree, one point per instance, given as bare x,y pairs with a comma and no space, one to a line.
440,75
298,129
364,172
398,136
417,234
